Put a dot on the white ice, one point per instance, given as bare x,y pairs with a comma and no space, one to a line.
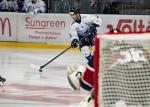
27,87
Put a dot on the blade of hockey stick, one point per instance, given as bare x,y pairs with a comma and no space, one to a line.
41,67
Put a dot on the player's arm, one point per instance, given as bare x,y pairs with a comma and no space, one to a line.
97,21
73,37
94,20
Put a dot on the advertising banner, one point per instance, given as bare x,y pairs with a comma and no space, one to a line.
125,23
54,28
8,27
44,28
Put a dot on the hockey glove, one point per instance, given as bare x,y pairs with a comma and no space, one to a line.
74,43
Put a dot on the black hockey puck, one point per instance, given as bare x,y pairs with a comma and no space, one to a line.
40,70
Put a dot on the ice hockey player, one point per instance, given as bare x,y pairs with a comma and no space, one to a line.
83,31
2,81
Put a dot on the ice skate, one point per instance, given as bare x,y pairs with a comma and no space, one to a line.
88,101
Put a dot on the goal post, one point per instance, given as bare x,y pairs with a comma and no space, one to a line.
122,70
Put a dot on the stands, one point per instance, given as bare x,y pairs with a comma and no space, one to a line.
131,7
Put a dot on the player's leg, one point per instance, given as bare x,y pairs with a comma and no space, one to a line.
81,77
85,50
88,101
87,80
78,78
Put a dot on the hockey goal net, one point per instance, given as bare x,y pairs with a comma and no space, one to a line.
122,70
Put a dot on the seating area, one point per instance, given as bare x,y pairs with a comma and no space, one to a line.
131,7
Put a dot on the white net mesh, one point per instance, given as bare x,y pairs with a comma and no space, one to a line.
124,70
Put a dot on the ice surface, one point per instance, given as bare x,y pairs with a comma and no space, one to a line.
27,87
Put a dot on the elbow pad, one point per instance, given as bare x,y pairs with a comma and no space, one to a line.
97,22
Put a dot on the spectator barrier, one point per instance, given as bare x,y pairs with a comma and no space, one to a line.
54,28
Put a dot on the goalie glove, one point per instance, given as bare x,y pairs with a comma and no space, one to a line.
74,43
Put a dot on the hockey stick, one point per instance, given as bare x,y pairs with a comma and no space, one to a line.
41,67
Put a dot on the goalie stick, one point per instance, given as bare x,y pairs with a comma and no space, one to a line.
41,67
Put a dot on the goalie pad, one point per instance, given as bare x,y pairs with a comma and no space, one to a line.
74,73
